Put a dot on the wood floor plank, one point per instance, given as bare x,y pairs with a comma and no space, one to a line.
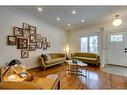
97,79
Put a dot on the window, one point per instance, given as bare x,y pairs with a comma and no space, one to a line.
84,44
116,38
89,44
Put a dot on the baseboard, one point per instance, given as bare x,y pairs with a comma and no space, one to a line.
36,69
116,65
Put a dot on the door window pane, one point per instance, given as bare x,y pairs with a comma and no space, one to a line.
116,38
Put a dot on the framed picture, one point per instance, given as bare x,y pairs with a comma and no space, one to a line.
48,44
32,29
38,45
38,37
25,33
32,46
44,39
11,40
18,31
44,46
22,43
25,26
32,38
24,54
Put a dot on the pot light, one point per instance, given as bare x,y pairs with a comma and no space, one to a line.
68,25
73,12
82,20
39,9
117,21
58,19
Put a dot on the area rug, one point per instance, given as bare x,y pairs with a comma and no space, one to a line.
117,70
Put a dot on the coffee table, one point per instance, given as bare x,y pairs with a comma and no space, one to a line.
75,68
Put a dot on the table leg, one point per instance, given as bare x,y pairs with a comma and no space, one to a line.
58,85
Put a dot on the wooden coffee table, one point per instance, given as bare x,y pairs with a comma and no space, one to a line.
75,68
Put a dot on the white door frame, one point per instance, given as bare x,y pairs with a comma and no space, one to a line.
106,33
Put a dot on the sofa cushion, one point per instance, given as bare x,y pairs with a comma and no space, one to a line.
89,55
86,59
46,57
55,60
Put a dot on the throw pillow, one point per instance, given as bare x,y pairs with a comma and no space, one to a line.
48,57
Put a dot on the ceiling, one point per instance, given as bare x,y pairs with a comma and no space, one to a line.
91,14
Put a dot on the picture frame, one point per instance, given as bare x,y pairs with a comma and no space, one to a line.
24,54
32,38
44,39
11,40
25,33
25,26
32,29
32,46
44,46
22,43
38,38
38,45
48,44
18,31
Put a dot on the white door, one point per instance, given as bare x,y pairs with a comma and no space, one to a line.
117,48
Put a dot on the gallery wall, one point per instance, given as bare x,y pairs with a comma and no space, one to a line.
11,17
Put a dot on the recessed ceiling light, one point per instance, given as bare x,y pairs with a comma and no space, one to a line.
73,12
39,9
82,20
68,24
58,19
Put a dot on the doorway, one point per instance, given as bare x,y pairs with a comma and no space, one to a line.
116,48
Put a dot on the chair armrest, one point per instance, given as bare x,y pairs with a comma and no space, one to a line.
98,58
72,55
41,61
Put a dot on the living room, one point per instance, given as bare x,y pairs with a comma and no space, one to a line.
63,47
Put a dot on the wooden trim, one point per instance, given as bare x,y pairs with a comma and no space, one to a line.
116,65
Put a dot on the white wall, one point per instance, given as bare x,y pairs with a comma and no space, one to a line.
95,29
10,17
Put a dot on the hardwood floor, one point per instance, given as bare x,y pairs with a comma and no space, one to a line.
96,79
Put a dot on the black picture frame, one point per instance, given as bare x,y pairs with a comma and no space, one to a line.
22,43
39,45
32,38
44,46
32,46
18,31
24,53
25,26
38,38
32,29
44,40
48,44
11,40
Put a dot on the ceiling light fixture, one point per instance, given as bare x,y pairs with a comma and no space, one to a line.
73,12
39,9
82,20
117,21
58,19
68,25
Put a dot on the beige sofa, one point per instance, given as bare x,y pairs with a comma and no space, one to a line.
51,59
89,58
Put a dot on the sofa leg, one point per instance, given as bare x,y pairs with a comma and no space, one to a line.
44,68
